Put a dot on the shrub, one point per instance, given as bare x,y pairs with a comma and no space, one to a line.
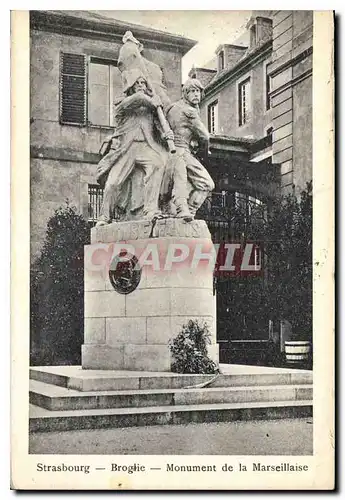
189,350
290,263
57,291
284,291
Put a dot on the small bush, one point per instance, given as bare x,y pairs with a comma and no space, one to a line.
189,350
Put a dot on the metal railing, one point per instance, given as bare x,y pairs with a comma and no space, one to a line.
232,215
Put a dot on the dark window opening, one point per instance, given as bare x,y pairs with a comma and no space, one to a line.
244,102
221,61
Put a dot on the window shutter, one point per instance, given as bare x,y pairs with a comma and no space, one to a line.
73,89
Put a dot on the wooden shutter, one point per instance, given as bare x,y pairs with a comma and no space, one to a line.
73,89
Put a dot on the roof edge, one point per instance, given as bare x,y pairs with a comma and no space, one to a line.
63,22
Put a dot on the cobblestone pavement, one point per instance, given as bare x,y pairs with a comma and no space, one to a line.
267,437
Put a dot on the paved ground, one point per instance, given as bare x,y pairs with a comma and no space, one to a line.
268,437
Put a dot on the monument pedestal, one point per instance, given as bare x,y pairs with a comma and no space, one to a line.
131,331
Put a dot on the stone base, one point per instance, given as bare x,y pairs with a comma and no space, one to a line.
132,331
133,357
69,397
126,357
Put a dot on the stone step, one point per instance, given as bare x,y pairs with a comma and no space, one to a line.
42,420
74,377
60,398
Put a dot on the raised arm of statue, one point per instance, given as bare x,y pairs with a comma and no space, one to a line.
135,100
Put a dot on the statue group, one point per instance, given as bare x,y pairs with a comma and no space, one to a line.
148,169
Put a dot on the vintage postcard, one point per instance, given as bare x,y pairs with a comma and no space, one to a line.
172,250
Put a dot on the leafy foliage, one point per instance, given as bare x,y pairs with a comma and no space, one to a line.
189,350
57,290
246,305
289,262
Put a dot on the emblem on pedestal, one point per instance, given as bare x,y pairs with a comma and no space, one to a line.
125,273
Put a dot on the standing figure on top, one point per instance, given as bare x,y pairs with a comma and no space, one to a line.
132,169
131,172
191,183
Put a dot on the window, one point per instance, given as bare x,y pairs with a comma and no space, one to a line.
221,60
213,118
269,131
268,90
95,193
105,86
88,88
244,102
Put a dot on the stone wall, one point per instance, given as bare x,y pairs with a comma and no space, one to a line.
52,183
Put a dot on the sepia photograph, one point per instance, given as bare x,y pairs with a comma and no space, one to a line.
171,244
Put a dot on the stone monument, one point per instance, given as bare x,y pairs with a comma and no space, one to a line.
151,270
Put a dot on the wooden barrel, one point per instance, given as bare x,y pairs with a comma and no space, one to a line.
297,351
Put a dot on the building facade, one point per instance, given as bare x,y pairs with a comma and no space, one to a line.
265,90
257,100
237,109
